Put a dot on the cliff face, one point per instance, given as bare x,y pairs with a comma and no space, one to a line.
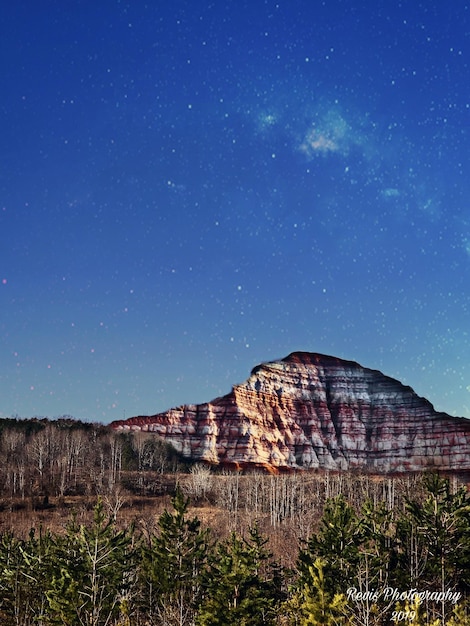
316,411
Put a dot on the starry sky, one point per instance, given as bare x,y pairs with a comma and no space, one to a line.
190,188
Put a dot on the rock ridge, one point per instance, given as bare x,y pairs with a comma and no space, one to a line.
314,411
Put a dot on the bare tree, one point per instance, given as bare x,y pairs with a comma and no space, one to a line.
228,495
199,482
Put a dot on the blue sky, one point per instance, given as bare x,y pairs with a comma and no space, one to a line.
188,189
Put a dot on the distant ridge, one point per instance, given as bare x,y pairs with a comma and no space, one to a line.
314,411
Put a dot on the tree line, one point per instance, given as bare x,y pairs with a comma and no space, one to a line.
42,457
361,566
45,461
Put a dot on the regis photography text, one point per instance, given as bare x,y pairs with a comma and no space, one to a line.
392,594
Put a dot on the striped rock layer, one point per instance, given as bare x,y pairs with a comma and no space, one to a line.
311,411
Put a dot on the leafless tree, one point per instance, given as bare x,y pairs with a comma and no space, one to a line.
199,482
228,495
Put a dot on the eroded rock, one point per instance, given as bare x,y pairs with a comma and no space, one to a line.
315,411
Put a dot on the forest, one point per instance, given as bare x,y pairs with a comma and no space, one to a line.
99,528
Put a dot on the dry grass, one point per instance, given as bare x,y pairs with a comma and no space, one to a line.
286,508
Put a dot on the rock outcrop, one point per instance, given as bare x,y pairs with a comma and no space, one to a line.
315,411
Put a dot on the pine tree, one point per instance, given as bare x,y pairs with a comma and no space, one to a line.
337,544
312,604
434,538
12,600
243,585
378,541
351,556
460,617
172,567
92,574
24,575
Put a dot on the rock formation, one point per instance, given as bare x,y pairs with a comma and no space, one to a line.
315,411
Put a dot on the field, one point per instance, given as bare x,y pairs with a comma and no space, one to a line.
100,528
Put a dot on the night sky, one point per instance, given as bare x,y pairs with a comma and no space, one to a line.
190,188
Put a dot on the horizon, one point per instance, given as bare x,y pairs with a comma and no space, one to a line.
295,352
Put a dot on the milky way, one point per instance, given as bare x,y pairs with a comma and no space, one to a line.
190,188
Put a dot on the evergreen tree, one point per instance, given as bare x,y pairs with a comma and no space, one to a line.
24,574
378,542
243,586
12,600
173,565
92,573
337,543
312,604
460,617
435,537
349,559
434,541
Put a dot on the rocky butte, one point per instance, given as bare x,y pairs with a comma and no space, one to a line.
311,411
